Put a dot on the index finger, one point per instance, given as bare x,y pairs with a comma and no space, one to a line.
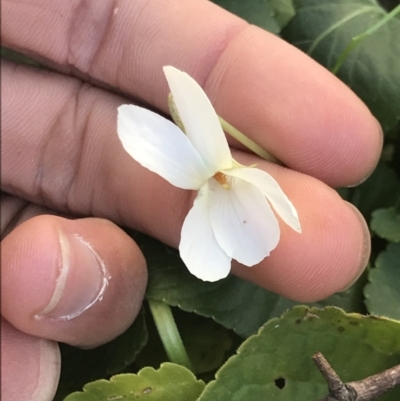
265,87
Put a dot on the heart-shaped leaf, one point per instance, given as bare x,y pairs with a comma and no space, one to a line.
386,223
383,291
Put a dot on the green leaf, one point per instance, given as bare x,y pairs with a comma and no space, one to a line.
276,365
81,366
232,302
169,383
386,223
256,12
383,291
18,58
205,340
284,11
324,28
380,190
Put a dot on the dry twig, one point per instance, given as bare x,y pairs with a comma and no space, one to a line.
368,389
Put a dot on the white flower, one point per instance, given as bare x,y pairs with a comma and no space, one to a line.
230,217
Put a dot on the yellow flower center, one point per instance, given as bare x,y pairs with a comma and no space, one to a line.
221,178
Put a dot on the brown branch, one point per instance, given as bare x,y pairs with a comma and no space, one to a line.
368,389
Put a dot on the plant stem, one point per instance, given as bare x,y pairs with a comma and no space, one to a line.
356,40
173,111
169,333
244,140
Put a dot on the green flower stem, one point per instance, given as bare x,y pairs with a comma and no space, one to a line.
356,40
244,140
229,129
169,333
173,111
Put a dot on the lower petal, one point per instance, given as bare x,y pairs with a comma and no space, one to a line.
272,191
243,222
198,248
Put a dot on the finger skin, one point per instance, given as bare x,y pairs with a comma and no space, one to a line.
99,178
30,366
265,87
76,281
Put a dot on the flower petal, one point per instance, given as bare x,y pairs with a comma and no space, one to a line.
272,191
199,119
198,248
159,145
243,222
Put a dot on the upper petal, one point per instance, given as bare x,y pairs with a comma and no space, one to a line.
199,119
198,248
272,191
159,145
243,222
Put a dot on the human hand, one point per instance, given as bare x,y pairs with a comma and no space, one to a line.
60,151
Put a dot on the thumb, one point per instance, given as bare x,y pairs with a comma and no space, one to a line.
76,281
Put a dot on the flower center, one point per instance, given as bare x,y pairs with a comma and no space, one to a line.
221,178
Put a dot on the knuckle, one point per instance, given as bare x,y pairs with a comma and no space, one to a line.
59,169
89,25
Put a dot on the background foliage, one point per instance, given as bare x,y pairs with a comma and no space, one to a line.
273,360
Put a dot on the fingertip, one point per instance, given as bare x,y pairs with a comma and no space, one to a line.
371,140
365,249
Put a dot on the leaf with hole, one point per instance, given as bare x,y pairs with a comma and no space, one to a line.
276,365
